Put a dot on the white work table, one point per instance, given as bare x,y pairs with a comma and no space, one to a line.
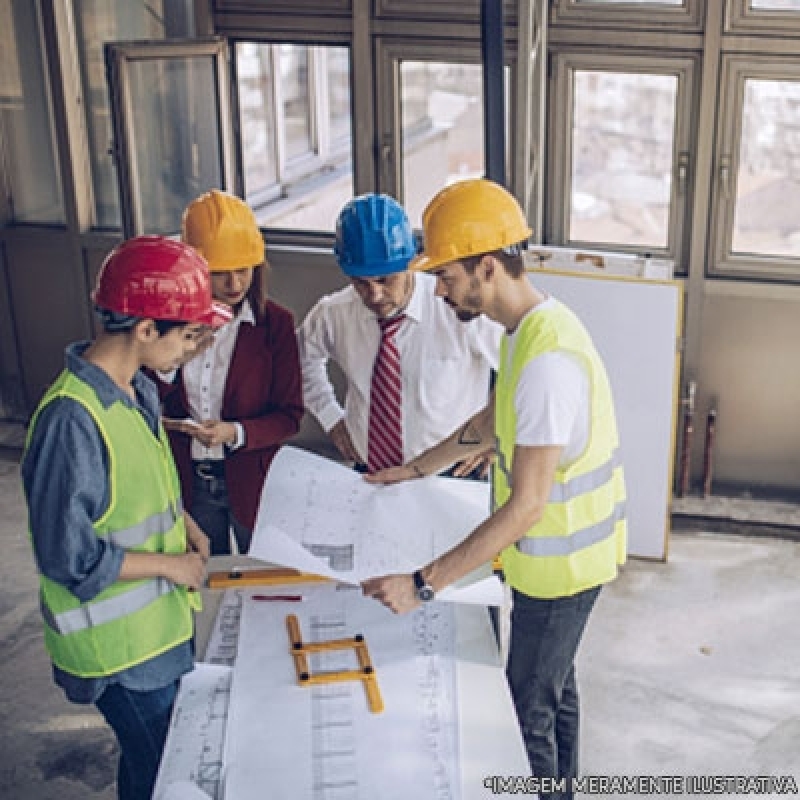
488,737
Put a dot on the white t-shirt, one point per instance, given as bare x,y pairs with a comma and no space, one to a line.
552,402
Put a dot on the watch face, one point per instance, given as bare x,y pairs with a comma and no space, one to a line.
425,593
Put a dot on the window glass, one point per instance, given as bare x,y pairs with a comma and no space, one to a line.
27,120
257,108
338,73
98,22
176,137
631,2
766,218
294,71
775,5
295,109
442,129
623,128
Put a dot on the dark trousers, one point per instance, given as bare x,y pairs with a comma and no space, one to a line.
211,511
545,635
140,721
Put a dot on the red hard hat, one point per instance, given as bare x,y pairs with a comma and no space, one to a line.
158,278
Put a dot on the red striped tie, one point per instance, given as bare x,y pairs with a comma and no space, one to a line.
386,401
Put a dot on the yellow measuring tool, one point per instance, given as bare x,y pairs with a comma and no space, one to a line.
366,673
273,576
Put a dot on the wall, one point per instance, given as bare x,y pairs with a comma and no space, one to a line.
748,368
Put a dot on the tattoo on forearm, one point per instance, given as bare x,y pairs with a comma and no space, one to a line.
469,435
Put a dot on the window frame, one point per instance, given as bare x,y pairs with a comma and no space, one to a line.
446,10
736,70
284,6
59,164
740,18
630,15
564,63
119,55
389,54
302,167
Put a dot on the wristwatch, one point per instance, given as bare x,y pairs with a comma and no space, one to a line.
425,591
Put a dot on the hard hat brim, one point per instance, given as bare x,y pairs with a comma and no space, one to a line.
424,263
376,270
216,316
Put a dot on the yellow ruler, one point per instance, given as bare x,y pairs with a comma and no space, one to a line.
365,673
270,576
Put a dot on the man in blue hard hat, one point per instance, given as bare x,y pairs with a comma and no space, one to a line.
413,369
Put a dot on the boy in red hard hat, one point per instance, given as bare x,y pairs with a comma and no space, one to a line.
117,555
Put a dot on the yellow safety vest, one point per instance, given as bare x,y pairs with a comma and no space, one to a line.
581,537
131,621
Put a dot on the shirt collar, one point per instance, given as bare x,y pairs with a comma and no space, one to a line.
245,313
106,390
414,308
415,304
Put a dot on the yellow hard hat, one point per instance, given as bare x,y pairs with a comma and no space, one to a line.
469,218
224,230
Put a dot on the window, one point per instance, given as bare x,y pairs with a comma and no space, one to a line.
624,163
779,17
757,190
638,3
775,5
619,14
172,128
294,118
442,129
26,118
431,121
96,23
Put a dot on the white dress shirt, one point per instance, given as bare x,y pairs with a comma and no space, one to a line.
204,379
445,364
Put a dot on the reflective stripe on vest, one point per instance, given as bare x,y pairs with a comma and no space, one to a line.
91,615
137,535
580,484
565,545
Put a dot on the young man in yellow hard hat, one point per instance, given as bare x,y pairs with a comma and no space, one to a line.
243,395
116,553
559,493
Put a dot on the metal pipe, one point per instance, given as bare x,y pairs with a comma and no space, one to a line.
708,451
684,478
494,120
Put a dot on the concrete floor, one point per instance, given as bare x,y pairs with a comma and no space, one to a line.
687,668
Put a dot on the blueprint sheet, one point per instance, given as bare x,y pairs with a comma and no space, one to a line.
191,766
323,742
321,517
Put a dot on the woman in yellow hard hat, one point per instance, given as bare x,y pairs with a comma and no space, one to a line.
233,406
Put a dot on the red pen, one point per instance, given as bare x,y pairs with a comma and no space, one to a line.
279,598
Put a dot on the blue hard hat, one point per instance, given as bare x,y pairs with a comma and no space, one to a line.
373,237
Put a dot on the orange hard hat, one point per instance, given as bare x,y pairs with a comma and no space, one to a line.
224,230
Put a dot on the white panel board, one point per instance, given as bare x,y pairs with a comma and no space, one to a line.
636,325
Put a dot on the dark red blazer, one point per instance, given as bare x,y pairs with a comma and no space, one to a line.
264,392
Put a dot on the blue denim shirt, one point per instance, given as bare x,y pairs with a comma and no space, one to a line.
65,476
